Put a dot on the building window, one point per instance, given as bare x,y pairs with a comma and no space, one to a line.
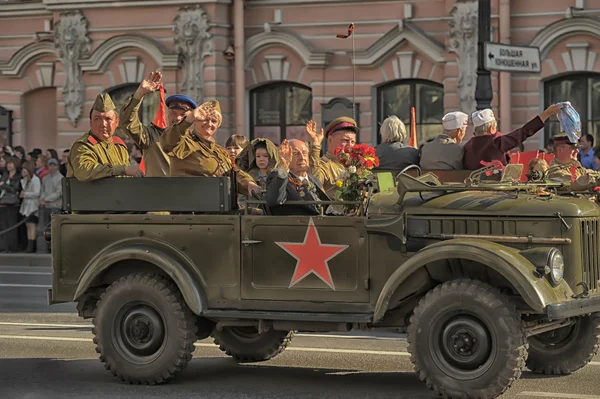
280,111
149,106
427,97
583,91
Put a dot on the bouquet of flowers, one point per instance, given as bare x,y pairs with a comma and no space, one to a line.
357,160
570,122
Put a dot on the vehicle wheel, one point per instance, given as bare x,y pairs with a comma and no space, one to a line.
466,340
246,344
143,329
567,349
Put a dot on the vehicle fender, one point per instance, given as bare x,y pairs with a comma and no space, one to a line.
508,262
168,258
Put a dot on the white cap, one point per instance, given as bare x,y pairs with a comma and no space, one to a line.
482,117
455,120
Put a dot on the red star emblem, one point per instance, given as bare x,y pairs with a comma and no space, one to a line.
312,256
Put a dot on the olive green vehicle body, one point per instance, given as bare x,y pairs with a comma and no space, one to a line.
229,265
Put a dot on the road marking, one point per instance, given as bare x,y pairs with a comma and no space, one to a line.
4,323
26,285
29,273
291,348
8,323
557,395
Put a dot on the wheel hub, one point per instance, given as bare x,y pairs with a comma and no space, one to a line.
462,346
139,333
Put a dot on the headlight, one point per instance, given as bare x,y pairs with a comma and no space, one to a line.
556,263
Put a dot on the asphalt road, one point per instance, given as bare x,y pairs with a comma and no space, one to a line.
50,354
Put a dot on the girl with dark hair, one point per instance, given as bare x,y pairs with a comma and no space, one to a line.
30,195
10,186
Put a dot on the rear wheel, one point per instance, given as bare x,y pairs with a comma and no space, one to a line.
567,349
466,340
143,329
246,344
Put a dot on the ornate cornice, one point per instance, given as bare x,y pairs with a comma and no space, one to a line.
388,43
19,61
100,58
551,35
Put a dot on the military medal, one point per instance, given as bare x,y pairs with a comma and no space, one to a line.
302,194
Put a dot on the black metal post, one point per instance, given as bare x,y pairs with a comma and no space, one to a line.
483,90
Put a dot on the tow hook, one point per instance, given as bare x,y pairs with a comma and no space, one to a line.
584,294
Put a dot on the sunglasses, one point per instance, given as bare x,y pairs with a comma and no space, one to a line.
181,107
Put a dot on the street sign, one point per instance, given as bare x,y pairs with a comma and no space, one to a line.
507,58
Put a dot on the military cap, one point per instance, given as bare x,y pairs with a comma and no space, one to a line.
341,123
562,138
455,120
181,98
103,103
482,117
214,103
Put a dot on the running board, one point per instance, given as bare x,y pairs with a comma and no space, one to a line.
292,316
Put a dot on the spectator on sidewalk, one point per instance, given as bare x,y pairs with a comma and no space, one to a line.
40,167
2,164
30,204
51,197
10,186
63,162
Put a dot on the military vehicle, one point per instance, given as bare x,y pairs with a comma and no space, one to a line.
485,278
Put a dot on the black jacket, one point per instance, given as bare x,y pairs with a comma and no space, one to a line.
280,190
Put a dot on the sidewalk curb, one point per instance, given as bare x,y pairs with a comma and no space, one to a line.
24,259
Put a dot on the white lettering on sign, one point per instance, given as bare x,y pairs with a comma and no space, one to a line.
507,58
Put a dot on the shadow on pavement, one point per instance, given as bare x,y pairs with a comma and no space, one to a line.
206,377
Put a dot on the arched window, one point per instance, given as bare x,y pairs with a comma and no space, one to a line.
280,111
120,94
396,98
583,91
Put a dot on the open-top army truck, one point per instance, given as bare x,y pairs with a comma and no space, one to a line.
486,278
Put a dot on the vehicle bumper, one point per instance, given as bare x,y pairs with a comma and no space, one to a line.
575,307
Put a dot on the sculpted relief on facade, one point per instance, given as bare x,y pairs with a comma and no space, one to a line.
72,44
463,41
192,42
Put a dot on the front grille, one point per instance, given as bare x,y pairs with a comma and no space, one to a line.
590,238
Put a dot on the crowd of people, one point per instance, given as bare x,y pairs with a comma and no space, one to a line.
30,181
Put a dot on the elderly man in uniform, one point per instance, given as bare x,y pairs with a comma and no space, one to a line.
292,182
147,137
98,153
566,168
340,132
489,145
445,151
193,152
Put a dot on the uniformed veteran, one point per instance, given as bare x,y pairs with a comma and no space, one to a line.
445,152
193,152
340,132
98,153
566,168
147,137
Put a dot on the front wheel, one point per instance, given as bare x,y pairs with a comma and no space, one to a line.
143,329
567,349
466,340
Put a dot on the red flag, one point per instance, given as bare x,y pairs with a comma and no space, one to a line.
412,142
160,120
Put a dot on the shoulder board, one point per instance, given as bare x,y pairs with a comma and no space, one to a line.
92,140
119,141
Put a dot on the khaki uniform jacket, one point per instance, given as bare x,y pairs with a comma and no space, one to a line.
194,156
579,177
91,159
145,137
325,169
443,153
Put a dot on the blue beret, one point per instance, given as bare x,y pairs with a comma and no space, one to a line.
182,98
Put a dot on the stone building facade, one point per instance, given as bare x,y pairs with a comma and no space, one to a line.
275,64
